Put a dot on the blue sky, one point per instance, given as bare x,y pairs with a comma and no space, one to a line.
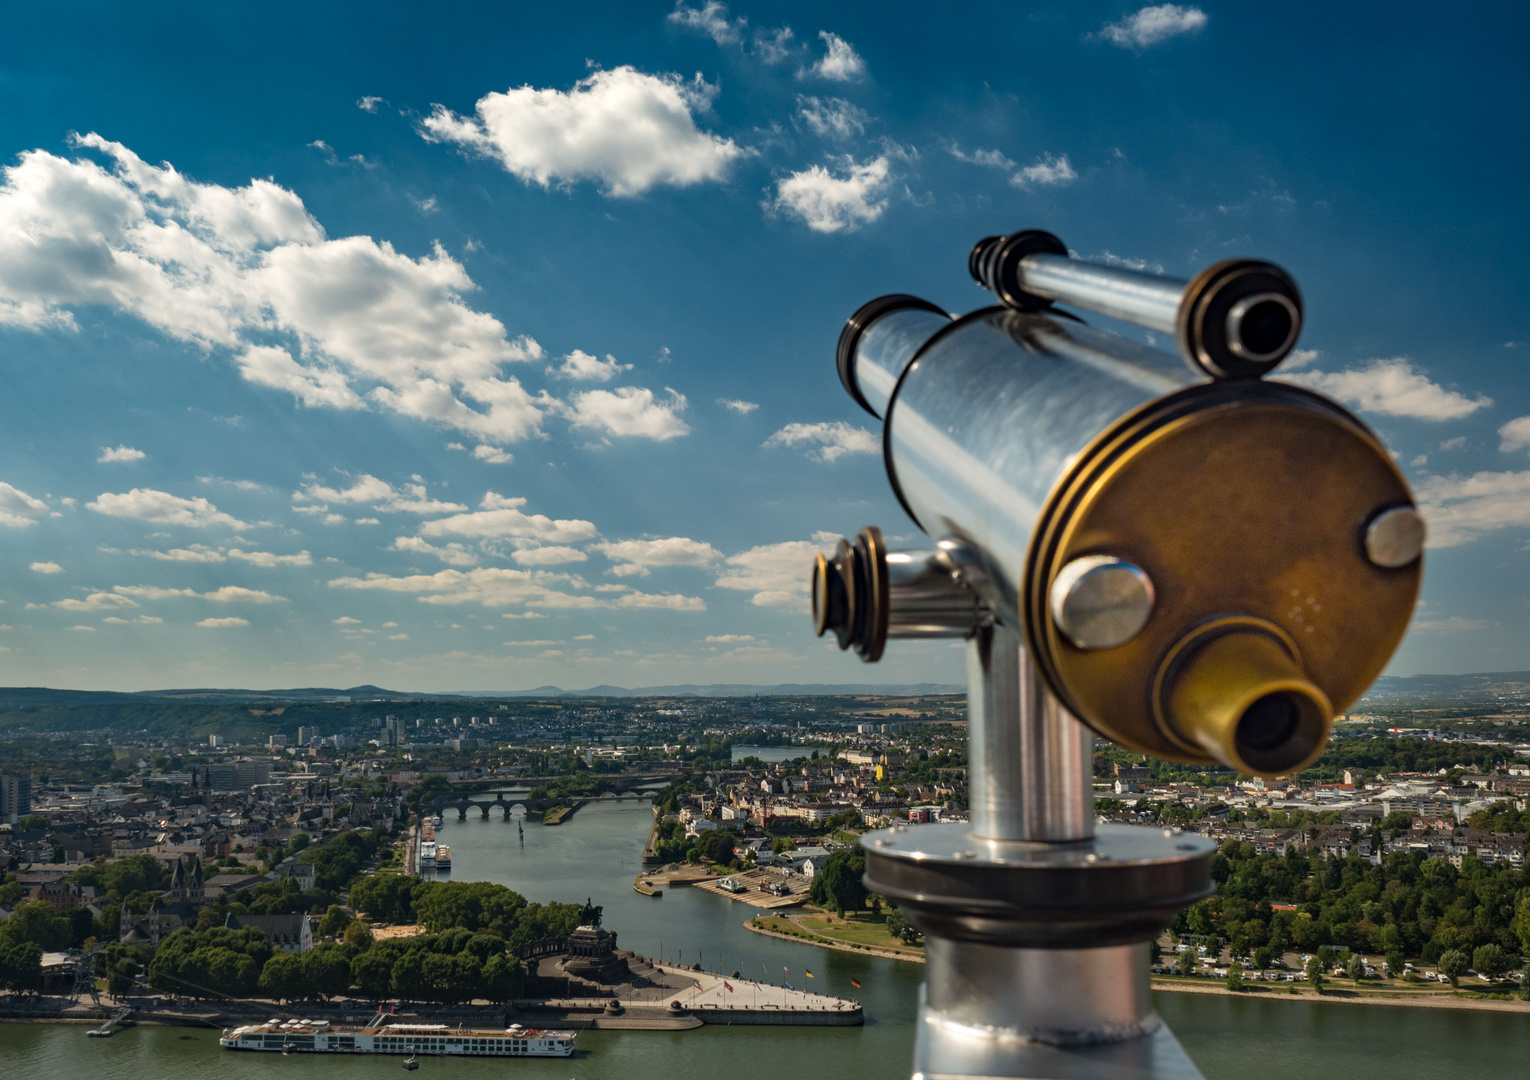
492,347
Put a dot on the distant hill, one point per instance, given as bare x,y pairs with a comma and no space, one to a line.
1482,686
14,698
731,690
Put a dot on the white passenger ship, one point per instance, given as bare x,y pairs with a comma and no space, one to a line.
322,1037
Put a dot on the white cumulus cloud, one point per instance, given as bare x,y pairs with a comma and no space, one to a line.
624,128
743,408
162,508
582,367
223,624
1050,171
833,440
17,508
1150,25
777,574
832,118
1459,509
494,455
839,63
552,555
633,558
828,202
629,410
1515,435
47,568
452,554
499,516
1392,388
120,453
710,19
344,323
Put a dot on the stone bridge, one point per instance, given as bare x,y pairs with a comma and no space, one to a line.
506,802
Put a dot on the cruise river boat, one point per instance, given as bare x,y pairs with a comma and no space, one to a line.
322,1037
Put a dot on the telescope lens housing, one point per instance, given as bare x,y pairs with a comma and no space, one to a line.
1236,688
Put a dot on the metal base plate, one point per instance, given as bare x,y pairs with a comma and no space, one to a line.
1123,885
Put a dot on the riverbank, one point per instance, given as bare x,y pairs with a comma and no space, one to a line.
1452,999
1412,999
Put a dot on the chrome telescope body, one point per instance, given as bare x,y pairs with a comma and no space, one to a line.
1166,551
1204,565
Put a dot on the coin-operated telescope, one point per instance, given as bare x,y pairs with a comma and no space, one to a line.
1168,551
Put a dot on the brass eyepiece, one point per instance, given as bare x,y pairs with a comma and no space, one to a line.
1235,689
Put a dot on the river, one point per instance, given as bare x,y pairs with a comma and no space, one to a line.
597,853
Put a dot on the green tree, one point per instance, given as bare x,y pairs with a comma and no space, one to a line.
1396,963
210,963
372,971
716,846
1265,956
121,977
1453,964
285,977
335,921
327,970
1315,973
1521,925
409,976
358,935
36,922
21,966
1490,960
502,978
1235,976
837,884
1355,968
386,898
900,928
1187,962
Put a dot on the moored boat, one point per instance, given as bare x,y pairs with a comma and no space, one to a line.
322,1037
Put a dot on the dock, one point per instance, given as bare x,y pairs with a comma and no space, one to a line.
755,883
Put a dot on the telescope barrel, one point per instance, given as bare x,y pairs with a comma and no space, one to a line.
1236,319
1203,569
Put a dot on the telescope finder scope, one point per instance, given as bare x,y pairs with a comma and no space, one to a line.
1203,565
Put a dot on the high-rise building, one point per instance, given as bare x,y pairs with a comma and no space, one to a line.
215,741
276,742
307,736
15,797
238,775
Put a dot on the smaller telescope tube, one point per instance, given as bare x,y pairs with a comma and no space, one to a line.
877,343
1234,320
1130,295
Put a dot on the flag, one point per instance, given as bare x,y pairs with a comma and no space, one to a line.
728,985
808,973
855,983
787,985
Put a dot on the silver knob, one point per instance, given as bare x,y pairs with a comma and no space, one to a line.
1395,537
1100,601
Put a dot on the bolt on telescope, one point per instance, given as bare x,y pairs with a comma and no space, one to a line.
1204,565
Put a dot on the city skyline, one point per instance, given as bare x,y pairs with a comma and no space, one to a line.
493,350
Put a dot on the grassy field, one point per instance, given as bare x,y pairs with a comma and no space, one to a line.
855,931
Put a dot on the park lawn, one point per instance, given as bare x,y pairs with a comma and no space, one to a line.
854,929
